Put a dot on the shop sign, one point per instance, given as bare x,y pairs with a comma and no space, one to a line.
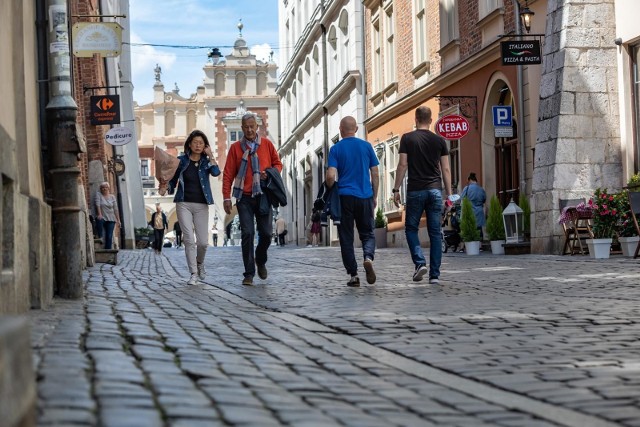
119,136
452,126
103,38
105,110
524,52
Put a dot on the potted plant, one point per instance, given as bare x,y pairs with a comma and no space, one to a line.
380,231
627,235
142,237
469,229
523,202
495,226
604,208
634,183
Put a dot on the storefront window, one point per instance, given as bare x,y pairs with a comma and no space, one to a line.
635,55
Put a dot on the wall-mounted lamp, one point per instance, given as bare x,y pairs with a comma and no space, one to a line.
526,15
214,54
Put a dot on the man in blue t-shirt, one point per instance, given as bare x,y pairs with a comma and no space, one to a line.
353,160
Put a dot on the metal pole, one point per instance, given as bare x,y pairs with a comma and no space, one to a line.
521,125
65,147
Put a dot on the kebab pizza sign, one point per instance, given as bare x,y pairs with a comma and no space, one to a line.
452,126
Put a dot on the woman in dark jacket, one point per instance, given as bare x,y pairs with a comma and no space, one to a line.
193,197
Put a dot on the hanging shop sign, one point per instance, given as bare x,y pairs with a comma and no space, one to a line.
103,38
452,126
119,136
524,52
105,110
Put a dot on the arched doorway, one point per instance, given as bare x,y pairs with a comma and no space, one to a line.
500,154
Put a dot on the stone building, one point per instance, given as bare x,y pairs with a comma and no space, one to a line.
321,82
566,137
232,85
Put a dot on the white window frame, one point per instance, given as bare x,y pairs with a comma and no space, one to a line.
448,21
389,45
420,32
485,7
376,58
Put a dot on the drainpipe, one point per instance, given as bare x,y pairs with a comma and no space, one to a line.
521,124
43,87
325,112
65,149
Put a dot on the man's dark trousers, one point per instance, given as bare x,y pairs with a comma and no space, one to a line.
248,208
360,211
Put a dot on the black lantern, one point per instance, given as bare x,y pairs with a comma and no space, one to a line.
526,15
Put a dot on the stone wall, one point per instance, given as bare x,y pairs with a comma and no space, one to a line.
578,146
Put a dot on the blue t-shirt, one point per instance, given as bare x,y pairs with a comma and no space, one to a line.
353,158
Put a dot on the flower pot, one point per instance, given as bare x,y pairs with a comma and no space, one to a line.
381,237
472,248
628,245
496,247
599,248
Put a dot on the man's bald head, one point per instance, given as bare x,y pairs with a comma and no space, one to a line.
348,126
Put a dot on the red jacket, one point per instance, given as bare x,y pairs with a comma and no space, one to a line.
267,156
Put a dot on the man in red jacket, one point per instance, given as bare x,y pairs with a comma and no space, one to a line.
245,168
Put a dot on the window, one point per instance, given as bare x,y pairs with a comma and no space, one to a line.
261,84
376,76
485,7
144,167
169,123
448,21
241,84
344,35
389,53
220,81
421,45
334,66
235,135
454,162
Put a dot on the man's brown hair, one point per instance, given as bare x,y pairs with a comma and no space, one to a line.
423,114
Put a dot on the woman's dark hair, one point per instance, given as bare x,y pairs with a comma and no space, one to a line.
472,176
192,135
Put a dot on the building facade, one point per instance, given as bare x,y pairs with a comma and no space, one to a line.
447,55
321,82
232,85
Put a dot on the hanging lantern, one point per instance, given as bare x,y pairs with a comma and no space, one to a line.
512,217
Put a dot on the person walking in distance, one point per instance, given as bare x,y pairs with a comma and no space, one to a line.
281,230
193,197
159,224
214,234
353,160
178,231
426,156
244,170
107,210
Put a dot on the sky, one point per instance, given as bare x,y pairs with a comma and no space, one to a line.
194,23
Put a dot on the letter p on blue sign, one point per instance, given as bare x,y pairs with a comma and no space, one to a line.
501,115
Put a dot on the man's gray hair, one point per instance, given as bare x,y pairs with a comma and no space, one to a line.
248,116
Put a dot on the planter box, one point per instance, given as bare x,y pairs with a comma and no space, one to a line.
599,248
381,237
497,247
521,248
628,245
472,248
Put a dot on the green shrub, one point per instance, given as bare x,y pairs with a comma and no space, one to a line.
380,221
143,231
634,181
468,227
523,202
495,225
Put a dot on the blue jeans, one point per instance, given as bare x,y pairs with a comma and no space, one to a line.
248,209
429,201
108,233
360,211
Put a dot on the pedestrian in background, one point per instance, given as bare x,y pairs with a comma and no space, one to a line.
281,230
316,228
353,160
247,161
193,197
159,224
107,211
214,234
477,196
426,156
178,232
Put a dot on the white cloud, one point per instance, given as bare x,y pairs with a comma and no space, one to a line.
261,51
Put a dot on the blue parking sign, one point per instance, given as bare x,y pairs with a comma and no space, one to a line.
501,115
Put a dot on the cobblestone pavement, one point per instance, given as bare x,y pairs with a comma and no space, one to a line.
502,341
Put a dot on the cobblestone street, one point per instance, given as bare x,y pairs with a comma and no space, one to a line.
525,340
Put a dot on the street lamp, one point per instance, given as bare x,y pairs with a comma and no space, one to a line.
215,55
526,15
